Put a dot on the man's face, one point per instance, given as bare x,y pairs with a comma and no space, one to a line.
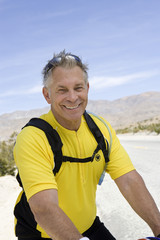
68,96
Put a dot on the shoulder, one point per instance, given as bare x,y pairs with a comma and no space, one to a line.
102,123
99,120
33,132
105,128
31,137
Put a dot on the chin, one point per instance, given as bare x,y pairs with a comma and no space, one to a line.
74,116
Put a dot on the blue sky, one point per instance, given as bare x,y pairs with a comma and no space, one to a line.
119,39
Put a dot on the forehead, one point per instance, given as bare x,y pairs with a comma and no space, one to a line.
62,71
61,74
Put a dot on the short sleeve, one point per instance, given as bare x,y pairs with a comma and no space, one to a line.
34,160
120,162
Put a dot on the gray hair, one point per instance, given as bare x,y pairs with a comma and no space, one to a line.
65,60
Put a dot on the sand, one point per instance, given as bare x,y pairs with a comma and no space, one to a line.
9,191
112,207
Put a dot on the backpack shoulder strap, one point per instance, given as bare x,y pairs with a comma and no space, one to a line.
99,136
53,139
110,135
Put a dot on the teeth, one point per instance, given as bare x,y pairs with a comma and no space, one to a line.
71,107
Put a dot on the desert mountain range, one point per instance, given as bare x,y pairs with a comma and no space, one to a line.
120,113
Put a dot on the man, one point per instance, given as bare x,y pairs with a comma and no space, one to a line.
62,206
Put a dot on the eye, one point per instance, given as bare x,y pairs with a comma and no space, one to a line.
62,90
80,88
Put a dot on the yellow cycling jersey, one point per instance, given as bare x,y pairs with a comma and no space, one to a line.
76,182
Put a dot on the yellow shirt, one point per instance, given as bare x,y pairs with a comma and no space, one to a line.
76,182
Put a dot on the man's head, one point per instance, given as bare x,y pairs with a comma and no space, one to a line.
66,89
65,60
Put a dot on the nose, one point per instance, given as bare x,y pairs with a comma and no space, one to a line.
72,96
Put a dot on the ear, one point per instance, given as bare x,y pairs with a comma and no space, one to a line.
46,95
87,86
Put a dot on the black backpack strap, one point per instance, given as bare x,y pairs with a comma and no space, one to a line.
98,136
53,139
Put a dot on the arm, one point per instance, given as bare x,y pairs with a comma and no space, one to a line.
34,159
51,218
135,192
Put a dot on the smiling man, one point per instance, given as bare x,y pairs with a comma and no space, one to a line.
68,96
62,156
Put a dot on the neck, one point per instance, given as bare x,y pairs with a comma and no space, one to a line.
72,125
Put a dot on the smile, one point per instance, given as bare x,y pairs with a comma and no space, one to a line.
71,108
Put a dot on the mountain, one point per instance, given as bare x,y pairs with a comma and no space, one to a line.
128,110
120,113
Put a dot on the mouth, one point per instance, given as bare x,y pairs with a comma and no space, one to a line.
72,108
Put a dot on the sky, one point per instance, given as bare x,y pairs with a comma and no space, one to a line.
118,39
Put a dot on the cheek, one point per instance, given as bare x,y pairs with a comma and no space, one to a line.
57,99
85,95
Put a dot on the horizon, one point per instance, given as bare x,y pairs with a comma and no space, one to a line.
119,41
89,100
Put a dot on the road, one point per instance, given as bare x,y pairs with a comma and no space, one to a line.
112,207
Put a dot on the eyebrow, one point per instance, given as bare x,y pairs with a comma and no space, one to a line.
77,85
60,86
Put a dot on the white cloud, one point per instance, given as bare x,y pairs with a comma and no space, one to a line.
8,93
33,90
36,89
101,82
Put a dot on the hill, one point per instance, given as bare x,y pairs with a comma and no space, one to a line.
120,113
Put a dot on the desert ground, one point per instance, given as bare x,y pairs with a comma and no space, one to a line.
112,208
